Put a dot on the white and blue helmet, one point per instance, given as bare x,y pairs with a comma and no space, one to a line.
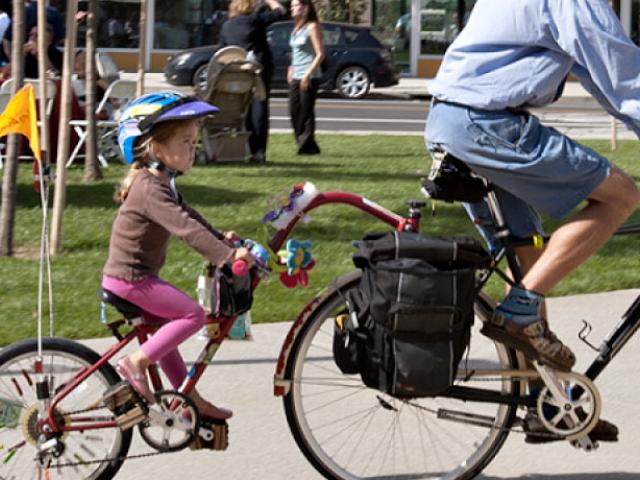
141,114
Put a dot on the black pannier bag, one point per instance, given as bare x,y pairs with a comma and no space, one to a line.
411,315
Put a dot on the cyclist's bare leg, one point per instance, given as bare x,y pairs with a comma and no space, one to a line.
610,204
527,257
518,320
535,430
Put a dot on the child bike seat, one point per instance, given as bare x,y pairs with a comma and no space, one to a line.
128,309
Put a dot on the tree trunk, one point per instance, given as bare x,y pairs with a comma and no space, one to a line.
91,166
142,52
64,129
9,188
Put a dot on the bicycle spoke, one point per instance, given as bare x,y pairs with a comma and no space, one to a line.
338,400
355,432
61,361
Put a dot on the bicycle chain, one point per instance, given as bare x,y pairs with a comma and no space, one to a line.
91,462
421,407
501,429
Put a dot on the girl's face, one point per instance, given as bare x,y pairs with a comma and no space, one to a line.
298,10
177,152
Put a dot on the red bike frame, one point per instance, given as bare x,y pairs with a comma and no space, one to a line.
219,326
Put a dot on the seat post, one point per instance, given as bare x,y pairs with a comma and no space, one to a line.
502,232
496,214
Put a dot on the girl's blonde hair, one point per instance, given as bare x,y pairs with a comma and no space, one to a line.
160,133
241,7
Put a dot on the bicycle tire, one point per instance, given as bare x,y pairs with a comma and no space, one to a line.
17,387
335,452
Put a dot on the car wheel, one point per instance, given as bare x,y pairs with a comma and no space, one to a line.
353,82
199,79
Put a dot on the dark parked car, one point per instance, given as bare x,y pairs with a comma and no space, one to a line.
355,60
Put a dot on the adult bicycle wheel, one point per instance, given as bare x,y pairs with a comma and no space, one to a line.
349,431
85,454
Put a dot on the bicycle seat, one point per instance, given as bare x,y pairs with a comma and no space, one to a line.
451,180
128,309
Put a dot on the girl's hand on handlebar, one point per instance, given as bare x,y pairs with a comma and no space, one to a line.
244,255
232,237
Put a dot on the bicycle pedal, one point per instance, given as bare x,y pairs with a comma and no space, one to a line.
126,405
212,435
585,443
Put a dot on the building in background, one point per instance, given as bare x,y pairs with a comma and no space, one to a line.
419,30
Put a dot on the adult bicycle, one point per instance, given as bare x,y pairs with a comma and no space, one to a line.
348,431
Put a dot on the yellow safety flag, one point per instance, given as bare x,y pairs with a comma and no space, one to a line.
20,117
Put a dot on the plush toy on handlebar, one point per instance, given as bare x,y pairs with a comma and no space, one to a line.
298,259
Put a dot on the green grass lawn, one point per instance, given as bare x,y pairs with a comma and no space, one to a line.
382,168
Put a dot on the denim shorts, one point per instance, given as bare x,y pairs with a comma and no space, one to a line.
536,168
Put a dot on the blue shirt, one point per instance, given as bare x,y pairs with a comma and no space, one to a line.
302,53
515,54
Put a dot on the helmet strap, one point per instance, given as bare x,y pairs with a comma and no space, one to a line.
161,167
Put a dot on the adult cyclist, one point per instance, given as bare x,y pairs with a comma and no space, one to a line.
514,55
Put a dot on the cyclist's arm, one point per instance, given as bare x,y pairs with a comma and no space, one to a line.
607,62
161,207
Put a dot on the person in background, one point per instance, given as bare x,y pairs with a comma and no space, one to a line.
157,134
247,28
54,20
5,21
30,49
78,80
304,74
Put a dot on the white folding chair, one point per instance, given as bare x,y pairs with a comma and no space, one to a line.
6,86
117,96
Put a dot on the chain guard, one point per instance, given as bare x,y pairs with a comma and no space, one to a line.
172,422
564,416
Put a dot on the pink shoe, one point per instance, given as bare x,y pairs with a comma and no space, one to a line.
217,413
136,378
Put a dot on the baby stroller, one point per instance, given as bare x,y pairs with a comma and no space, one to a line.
233,80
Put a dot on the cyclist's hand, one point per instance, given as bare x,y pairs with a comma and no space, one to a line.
244,255
232,238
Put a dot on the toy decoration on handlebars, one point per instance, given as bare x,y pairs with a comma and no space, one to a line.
298,259
286,207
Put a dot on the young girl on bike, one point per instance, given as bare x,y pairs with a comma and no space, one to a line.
157,134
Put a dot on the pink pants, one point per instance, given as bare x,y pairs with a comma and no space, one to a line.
179,314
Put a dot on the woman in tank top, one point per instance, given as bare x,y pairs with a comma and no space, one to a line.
307,53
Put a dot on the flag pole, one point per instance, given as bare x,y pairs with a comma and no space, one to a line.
43,395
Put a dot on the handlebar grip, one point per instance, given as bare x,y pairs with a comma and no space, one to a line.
240,268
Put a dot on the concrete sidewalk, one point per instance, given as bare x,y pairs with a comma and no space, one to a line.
262,447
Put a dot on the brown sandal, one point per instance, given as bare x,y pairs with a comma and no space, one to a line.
535,340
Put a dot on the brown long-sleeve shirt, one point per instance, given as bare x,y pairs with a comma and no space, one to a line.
145,222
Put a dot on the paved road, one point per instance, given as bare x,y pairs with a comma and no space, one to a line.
261,446
402,109
578,118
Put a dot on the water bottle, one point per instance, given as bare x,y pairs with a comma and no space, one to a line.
204,290
241,328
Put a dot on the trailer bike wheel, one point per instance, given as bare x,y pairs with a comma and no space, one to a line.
348,431
90,454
